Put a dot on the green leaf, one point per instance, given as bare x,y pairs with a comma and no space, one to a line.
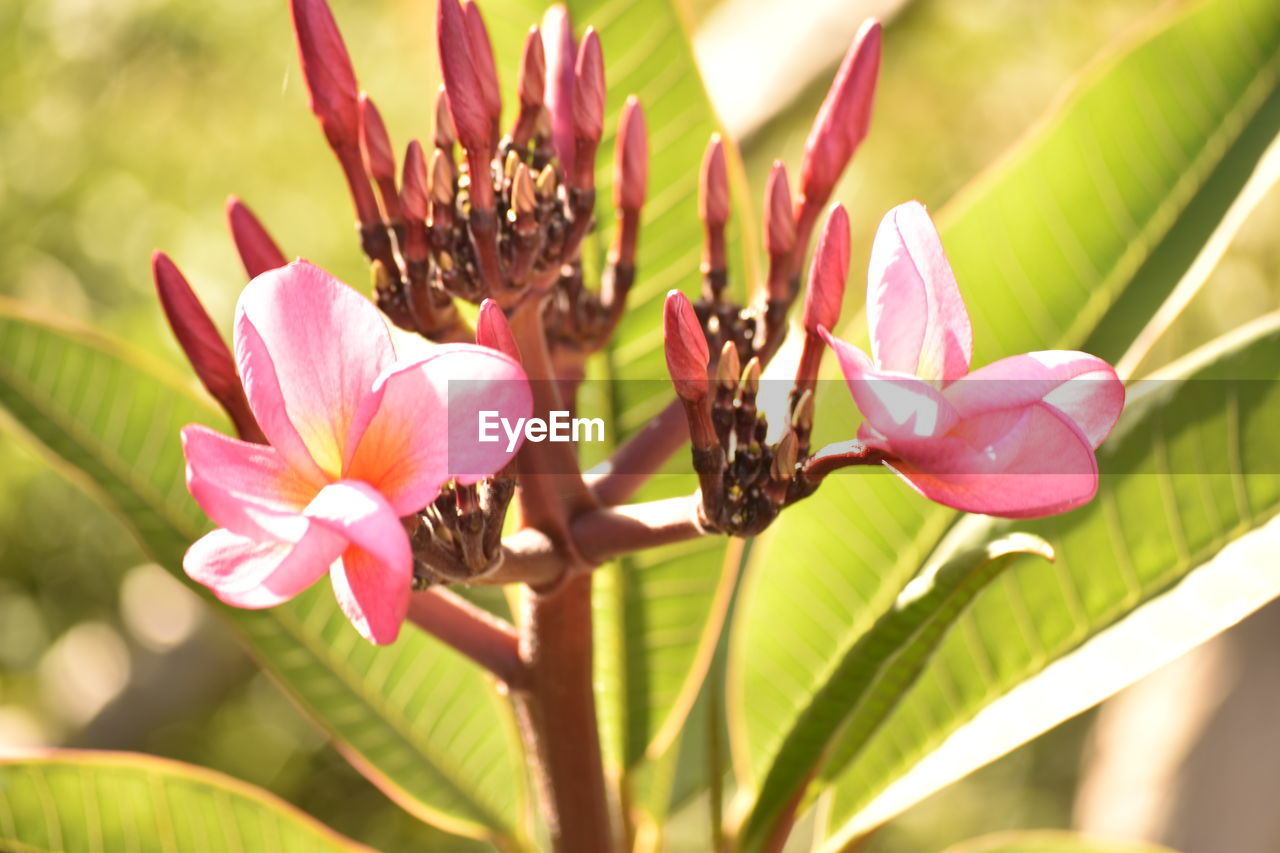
870,678
1089,217
1084,229
69,800
422,722
657,618
1157,563
1050,841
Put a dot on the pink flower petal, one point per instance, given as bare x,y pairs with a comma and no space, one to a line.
252,573
918,321
1083,387
896,405
1043,467
246,488
372,581
375,600
420,426
309,349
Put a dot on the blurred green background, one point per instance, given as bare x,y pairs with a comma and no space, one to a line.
123,128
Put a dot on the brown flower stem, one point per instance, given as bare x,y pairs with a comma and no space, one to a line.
810,364
557,715
556,706
708,457
479,635
833,457
641,455
807,213
530,556
582,204
551,485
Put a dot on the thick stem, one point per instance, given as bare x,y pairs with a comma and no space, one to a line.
551,486
641,455
530,556
558,717
479,635
556,707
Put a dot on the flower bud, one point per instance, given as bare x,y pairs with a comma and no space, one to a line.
546,183
631,169
445,133
844,116
729,368
523,198
588,89
686,348
492,330
375,144
258,252
802,413
482,59
561,50
779,217
828,273
783,468
441,178
326,68
713,186
750,384
413,184
468,106
533,70
204,347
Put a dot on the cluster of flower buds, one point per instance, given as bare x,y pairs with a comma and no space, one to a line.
482,214
745,482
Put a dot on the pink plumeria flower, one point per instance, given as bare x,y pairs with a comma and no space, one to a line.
358,440
1015,438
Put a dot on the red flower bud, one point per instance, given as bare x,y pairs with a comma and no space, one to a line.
493,332
375,144
205,348
686,348
631,169
588,89
482,59
413,183
445,134
828,273
779,218
713,186
561,50
467,104
533,70
258,252
843,118
326,68
441,178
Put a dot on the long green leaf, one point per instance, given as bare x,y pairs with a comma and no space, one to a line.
869,679
1088,217
108,801
1190,469
420,721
